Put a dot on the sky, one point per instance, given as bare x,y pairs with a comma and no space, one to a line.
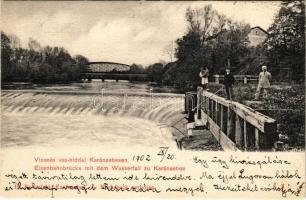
124,32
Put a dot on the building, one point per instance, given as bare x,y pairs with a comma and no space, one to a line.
257,36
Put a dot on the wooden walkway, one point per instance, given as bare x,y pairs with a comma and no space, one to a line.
237,127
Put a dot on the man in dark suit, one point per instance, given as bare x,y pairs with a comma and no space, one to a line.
228,83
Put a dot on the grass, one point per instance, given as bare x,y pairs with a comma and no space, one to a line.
285,104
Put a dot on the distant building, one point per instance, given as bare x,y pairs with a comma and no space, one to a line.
257,36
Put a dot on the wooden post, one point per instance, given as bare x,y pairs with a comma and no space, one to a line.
212,109
221,118
246,128
231,125
208,106
245,135
218,114
263,141
199,101
204,103
217,79
238,133
185,103
228,122
245,80
203,106
257,143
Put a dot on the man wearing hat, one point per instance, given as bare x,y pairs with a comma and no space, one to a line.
228,83
264,83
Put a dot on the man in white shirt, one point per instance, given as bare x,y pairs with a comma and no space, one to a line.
204,73
264,83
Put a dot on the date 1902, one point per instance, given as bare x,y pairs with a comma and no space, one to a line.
162,153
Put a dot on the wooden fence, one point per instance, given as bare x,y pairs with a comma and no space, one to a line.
234,125
245,78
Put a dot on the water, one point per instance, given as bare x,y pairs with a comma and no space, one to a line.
126,114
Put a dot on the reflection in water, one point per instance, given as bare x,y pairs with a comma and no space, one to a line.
94,85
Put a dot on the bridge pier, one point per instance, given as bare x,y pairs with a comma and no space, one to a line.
113,76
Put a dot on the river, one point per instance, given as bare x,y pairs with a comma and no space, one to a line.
114,114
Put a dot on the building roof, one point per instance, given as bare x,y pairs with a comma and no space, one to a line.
260,29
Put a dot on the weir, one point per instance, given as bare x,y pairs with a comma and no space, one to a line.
236,127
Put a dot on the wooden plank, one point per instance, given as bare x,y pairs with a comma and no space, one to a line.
216,98
225,142
264,123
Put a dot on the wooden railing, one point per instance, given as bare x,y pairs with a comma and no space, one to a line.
234,125
244,78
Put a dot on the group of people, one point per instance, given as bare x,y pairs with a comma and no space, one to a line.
229,80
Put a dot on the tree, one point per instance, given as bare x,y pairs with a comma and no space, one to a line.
211,40
155,72
15,42
82,62
169,51
206,22
6,55
230,45
34,45
286,41
38,64
136,69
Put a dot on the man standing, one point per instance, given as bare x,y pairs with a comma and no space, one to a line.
264,83
204,73
228,83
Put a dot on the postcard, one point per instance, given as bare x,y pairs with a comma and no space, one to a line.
152,99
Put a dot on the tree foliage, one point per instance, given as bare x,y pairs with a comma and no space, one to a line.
136,69
286,41
6,54
38,64
211,40
155,72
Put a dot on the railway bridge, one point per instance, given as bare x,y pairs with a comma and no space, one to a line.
111,70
